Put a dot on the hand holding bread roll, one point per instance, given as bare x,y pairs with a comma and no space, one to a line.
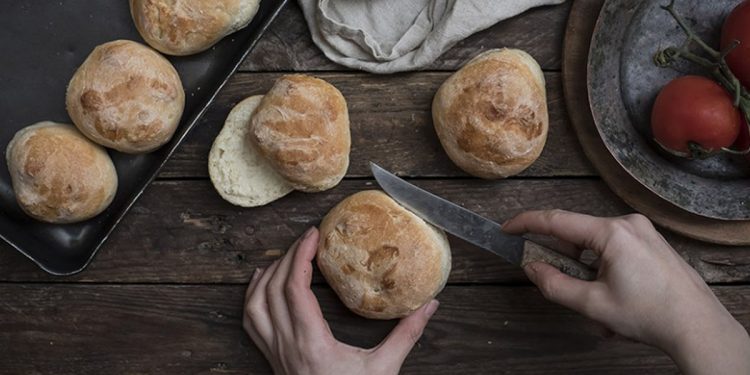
58,175
383,261
186,27
491,116
295,137
126,96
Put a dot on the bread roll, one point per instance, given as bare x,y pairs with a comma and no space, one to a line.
491,116
186,27
302,128
237,170
58,175
126,96
383,261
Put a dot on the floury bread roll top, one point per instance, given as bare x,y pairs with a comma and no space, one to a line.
302,128
295,137
383,261
186,27
126,96
491,116
58,175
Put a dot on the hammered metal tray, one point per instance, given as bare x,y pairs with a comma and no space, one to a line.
623,83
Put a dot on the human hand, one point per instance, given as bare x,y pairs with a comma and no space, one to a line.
644,291
283,318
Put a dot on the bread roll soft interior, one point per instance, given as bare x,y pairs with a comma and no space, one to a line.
491,116
383,261
186,27
237,170
126,96
302,128
58,175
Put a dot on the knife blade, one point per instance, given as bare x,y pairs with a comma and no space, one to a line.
474,228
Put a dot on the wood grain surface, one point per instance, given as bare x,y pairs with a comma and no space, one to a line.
164,295
183,232
181,329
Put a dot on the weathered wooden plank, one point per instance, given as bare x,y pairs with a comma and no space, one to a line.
391,123
182,232
78,329
287,45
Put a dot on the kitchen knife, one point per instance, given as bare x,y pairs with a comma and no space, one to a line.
474,228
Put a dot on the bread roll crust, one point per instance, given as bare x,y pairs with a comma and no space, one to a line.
302,128
58,175
186,27
127,97
491,116
383,261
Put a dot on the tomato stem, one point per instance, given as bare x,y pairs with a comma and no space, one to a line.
717,63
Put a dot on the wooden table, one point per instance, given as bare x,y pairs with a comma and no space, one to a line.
165,293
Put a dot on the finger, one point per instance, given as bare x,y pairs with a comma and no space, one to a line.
303,306
253,283
586,297
257,306
250,315
394,349
581,230
277,303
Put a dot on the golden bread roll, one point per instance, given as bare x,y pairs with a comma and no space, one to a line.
126,96
302,128
58,175
491,116
383,261
186,27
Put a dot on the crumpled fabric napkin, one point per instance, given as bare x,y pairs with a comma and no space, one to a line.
388,36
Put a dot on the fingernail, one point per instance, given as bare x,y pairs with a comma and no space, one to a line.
308,233
431,308
256,273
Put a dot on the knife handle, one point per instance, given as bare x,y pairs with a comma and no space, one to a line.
533,252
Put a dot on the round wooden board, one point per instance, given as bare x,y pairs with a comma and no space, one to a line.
581,22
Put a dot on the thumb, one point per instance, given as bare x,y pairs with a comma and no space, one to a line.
585,297
394,348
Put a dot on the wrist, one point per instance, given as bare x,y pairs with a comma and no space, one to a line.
718,345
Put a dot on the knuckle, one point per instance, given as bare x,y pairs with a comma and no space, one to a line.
553,215
414,334
638,220
290,290
549,288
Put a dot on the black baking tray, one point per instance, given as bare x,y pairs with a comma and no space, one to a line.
43,43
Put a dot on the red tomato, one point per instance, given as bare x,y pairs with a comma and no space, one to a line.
737,27
695,109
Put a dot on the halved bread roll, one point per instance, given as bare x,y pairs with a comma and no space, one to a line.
240,174
302,127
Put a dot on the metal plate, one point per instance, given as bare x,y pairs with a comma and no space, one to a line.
623,83
43,44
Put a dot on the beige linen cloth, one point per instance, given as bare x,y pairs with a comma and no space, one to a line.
388,36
